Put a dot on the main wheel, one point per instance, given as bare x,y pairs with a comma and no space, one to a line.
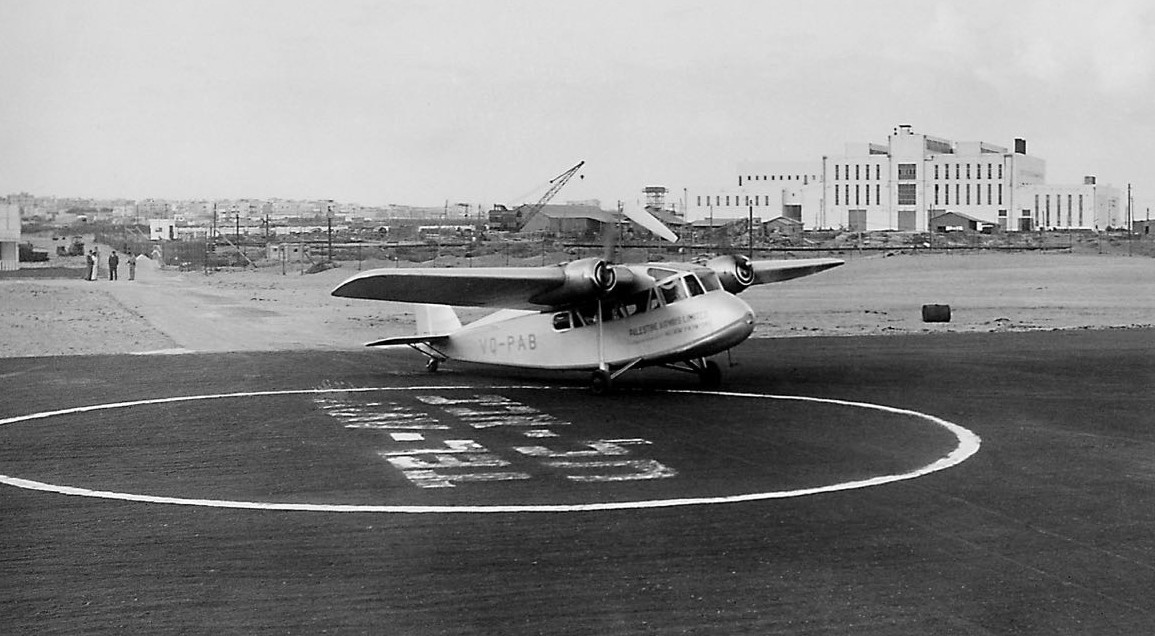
600,382
711,375
432,365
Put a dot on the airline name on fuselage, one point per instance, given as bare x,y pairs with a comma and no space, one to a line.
662,325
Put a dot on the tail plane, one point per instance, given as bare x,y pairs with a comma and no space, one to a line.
434,323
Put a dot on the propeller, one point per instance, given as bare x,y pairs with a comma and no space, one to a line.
604,277
735,271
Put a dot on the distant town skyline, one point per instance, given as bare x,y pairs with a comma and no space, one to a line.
417,103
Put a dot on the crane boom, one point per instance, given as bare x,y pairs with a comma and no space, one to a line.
556,184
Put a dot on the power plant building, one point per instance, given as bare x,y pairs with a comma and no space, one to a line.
907,182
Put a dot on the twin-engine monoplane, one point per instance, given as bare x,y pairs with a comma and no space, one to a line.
587,314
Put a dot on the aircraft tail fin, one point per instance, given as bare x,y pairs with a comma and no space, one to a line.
434,324
436,320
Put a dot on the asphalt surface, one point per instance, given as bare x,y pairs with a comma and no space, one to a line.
1046,529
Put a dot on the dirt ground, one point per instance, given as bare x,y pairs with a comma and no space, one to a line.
165,311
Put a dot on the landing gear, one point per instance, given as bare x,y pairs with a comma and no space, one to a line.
601,382
708,372
432,365
710,375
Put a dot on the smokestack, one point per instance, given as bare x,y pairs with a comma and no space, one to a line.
1020,146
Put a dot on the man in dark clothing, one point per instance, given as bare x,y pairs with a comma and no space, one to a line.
113,262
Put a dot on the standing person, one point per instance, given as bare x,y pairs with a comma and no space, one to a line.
95,264
131,266
113,263
89,263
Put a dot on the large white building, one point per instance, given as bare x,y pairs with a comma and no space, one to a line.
906,182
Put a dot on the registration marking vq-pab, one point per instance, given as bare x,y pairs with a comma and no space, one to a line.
968,445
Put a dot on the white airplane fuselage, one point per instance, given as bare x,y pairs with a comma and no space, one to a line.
690,328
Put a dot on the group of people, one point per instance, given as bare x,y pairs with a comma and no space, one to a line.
93,265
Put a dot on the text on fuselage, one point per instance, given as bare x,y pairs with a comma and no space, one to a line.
521,342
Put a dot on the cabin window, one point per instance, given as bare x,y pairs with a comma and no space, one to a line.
586,315
694,285
637,304
561,321
672,291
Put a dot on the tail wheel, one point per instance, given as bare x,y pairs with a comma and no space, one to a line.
432,365
710,375
600,382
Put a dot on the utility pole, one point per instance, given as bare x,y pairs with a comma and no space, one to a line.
329,218
1130,225
712,238
750,230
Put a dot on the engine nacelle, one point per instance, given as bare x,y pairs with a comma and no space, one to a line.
735,272
584,279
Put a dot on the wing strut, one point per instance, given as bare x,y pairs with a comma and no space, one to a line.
602,378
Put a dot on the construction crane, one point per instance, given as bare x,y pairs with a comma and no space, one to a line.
526,212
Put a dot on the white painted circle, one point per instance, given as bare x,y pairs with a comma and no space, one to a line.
968,444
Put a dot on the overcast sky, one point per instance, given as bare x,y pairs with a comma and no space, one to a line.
484,101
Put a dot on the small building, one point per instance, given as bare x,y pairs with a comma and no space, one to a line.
955,222
783,225
162,230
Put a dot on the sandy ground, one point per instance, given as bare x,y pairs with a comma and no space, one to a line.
171,312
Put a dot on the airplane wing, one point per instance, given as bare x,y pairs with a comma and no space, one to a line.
779,270
468,287
498,287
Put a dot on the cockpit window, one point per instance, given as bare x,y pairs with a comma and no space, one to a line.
710,281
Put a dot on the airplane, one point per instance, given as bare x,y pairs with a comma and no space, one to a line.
585,315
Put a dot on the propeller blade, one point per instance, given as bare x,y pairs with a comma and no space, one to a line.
609,242
648,221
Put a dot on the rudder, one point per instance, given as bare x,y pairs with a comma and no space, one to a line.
436,320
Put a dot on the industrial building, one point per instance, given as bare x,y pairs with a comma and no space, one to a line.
909,180
569,221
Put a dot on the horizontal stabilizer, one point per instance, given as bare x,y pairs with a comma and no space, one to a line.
406,340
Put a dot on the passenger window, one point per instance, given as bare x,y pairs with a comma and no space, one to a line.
587,315
694,285
672,291
638,303
561,321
